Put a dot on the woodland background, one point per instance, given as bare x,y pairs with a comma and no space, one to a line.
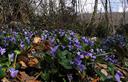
56,14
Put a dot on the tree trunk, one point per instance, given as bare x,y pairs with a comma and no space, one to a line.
111,18
93,19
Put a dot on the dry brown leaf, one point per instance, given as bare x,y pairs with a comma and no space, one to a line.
32,62
102,65
30,56
36,40
33,81
23,65
5,80
23,76
123,70
104,72
47,46
96,80
23,58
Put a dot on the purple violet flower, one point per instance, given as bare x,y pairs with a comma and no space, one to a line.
88,42
62,33
52,39
53,50
78,63
69,77
111,59
118,75
85,39
11,57
79,55
81,67
2,50
63,47
43,37
88,54
70,47
13,72
27,39
22,45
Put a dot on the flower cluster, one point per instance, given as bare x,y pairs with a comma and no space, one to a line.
111,58
115,40
78,61
65,51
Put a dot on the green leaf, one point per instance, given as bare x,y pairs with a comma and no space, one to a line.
102,76
111,69
64,80
4,62
64,60
66,64
126,64
45,76
2,73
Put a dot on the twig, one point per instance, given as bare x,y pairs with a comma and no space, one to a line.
38,75
103,54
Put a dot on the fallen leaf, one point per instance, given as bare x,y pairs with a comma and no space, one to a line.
33,81
5,80
36,40
96,80
123,70
32,62
93,39
23,58
46,46
102,65
104,72
23,65
23,76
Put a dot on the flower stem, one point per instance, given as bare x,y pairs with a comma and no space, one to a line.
14,64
